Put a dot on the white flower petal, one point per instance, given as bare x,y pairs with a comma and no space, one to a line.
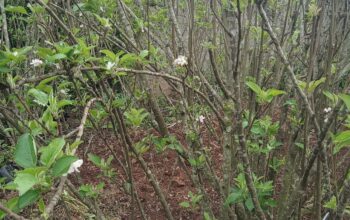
201,119
110,65
36,62
180,61
74,167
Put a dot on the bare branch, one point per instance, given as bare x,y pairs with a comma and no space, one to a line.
11,213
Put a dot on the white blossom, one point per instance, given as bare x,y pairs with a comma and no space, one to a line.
180,61
63,92
15,53
36,62
81,26
201,119
74,167
327,110
109,65
326,120
80,14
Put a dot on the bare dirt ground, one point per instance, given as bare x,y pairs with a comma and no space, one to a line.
172,175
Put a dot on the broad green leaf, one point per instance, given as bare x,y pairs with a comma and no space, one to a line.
11,204
58,56
234,197
24,182
144,53
333,97
331,204
50,153
136,116
4,69
256,88
62,165
343,136
16,9
95,159
109,54
312,85
341,140
64,102
346,100
271,93
25,152
28,198
185,204
207,216
23,50
39,97
249,204
41,205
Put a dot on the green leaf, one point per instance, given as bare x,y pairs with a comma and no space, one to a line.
4,69
28,198
346,100
109,54
333,97
95,159
331,204
341,140
342,137
62,165
234,197
16,9
64,102
50,153
24,182
185,204
207,216
271,93
27,178
11,204
41,205
25,152
136,116
144,53
312,85
55,57
249,204
40,97
255,87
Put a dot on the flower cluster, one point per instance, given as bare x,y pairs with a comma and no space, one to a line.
180,61
327,111
74,167
36,62
110,65
201,119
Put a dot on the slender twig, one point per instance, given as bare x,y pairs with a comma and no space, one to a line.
59,21
38,79
219,20
4,23
10,213
289,68
54,200
166,76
